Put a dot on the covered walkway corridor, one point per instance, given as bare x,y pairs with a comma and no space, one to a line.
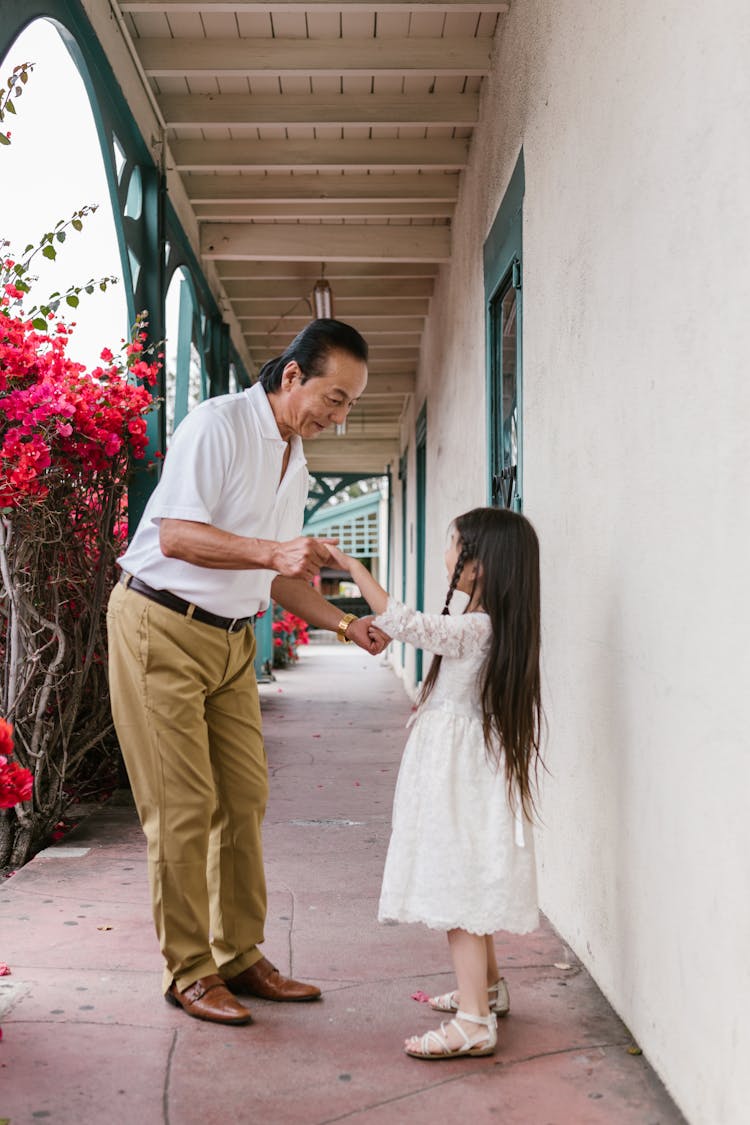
537,213
88,1039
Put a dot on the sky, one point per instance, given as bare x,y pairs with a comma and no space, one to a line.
52,167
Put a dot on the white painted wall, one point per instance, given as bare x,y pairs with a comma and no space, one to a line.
634,122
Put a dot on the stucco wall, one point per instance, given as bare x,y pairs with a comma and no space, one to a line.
634,119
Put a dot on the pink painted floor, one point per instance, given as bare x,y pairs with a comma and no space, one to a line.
88,1039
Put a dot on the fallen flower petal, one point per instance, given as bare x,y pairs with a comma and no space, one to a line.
4,970
422,997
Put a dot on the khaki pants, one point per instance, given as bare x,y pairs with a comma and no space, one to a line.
186,711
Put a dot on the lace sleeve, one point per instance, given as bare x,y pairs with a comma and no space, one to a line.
434,632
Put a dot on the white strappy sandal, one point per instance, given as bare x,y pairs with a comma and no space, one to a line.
497,994
434,1044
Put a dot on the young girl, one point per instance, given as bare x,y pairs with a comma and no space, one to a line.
461,855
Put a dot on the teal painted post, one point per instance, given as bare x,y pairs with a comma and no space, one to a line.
184,340
404,537
421,435
148,295
218,357
264,642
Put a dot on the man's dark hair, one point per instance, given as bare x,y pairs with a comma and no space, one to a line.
310,350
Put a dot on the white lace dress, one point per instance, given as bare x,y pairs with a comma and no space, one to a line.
459,856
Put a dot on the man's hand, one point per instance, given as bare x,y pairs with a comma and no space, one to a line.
367,636
301,557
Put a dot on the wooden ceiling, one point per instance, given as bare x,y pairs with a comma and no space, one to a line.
325,136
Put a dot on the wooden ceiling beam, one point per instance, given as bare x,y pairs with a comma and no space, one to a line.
309,272
360,289
400,356
324,155
354,188
324,243
207,7
346,308
228,111
231,58
317,209
331,454
284,328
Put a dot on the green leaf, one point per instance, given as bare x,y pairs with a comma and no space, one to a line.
39,323
89,289
103,286
24,76
29,247
61,236
4,140
24,288
49,252
9,105
77,224
72,300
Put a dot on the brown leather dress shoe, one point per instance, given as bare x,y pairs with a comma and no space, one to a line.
264,979
209,999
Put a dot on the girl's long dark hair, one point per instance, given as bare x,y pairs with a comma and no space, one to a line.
505,548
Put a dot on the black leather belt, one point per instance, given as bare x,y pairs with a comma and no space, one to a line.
187,609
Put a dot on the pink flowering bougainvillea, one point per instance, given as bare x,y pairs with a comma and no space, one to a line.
289,631
16,783
68,439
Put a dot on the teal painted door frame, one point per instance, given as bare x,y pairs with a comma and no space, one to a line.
503,279
402,476
421,520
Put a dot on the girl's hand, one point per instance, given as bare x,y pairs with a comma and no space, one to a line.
367,636
379,639
339,558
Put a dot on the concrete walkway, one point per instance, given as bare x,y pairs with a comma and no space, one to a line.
88,1039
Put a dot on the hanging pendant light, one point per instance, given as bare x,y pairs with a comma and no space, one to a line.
322,296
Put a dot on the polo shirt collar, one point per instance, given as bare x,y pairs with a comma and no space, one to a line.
268,425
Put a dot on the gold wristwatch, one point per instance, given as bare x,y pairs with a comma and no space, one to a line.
342,626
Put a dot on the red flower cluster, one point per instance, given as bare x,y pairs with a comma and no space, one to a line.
16,782
55,416
289,631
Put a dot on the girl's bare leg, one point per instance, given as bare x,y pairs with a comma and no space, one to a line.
493,972
469,955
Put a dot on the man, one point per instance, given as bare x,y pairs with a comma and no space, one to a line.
220,534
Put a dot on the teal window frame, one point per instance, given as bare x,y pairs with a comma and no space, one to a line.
421,520
403,477
503,269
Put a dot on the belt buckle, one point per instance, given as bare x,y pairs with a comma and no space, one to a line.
232,623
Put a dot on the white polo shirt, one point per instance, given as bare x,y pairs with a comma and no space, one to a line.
223,468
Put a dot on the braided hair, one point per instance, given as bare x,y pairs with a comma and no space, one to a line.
506,550
465,554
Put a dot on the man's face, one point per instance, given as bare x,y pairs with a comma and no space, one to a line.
323,401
